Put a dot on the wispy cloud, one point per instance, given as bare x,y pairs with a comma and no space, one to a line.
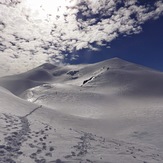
30,36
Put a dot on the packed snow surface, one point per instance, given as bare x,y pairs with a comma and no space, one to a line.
108,112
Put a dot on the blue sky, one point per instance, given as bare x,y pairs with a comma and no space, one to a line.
33,32
145,48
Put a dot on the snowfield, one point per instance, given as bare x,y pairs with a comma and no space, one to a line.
108,112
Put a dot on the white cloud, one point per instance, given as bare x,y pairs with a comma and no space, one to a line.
30,36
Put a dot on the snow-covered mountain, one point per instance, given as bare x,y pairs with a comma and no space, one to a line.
111,111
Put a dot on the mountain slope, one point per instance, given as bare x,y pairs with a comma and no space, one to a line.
133,79
110,111
33,133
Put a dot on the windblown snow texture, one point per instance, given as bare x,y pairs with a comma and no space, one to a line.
105,112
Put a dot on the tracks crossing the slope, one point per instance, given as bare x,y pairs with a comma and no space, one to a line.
32,111
16,130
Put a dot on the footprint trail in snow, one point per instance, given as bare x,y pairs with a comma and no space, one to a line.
23,140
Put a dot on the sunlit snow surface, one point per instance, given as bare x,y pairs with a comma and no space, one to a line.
106,112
